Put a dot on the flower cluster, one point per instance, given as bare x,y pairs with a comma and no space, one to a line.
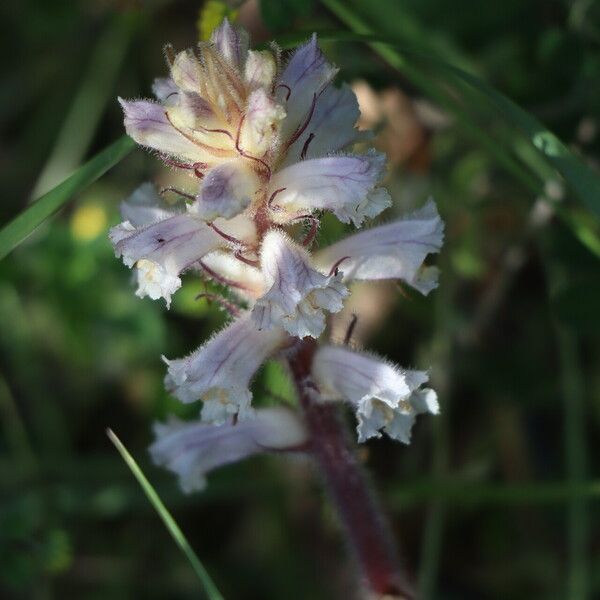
267,146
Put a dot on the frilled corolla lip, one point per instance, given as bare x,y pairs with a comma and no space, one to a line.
296,294
192,449
163,241
385,397
220,371
396,250
346,185
163,250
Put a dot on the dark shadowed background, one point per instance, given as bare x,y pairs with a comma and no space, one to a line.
495,498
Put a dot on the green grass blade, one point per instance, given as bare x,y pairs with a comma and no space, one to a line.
89,103
207,583
12,234
582,180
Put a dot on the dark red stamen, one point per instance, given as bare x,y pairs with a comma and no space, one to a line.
350,330
270,202
334,268
253,263
310,138
220,279
288,88
226,236
314,227
178,192
207,130
231,308
245,154
304,125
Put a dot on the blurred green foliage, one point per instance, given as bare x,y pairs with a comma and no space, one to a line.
496,498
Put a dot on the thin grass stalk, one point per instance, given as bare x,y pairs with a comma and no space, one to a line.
576,463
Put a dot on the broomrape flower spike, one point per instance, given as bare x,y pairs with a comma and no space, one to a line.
269,144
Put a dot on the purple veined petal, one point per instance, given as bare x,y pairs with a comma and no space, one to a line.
147,123
297,295
165,90
193,449
231,42
396,250
305,76
385,397
192,110
186,71
226,190
220,371
332,127
344,185
162,251
146,206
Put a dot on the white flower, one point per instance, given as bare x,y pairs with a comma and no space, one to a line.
163,250
296,293
192,449
331,127
226,191
304,78
232,43
385,397
162,242
220,371
344,185
393,251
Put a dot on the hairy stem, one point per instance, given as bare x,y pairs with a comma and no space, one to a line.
366,529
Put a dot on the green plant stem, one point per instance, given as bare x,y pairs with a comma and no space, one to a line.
88,104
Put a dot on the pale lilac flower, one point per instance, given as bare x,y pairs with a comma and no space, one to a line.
346,185
162,251
392,251
303,80
162,242
296,294
385,397
268,147
227,190
331,127
220,371
192,449
218,104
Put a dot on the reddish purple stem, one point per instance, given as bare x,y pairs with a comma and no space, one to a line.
367,530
